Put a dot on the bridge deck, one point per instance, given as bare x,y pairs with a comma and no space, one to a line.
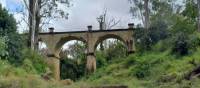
110,30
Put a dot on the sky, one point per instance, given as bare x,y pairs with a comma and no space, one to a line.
81,14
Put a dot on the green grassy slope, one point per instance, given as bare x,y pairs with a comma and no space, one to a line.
147,70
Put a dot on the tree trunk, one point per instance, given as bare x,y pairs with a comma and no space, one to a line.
101,24
37,24
146,14
198,4
31,24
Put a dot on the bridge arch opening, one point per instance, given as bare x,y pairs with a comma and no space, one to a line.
43,48
108,36
114,48
72,60
64,40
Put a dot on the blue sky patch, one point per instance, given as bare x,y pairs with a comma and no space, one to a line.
14,5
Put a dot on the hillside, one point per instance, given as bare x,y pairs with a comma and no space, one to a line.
147,70
164,36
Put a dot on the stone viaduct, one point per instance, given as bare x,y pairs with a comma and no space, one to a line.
55,41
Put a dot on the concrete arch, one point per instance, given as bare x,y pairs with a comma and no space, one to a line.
64,40
107,36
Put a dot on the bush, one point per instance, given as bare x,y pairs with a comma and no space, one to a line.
100,59
3,47
142,71
154,35
33,60
69,69
184,44
181,44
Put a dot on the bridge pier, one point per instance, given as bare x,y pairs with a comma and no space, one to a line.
131,47
91,63
54,64
56,68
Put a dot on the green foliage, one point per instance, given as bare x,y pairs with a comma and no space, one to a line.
142,71
116,50
190,10
3,47
181,45
70,69
150,69
100,59
13,41
33,62
73,67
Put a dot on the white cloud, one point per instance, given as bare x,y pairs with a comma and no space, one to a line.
85,12
3,3
21,23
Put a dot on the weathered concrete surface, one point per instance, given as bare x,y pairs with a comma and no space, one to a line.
55,41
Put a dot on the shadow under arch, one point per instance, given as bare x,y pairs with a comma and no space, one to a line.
64,40
108,36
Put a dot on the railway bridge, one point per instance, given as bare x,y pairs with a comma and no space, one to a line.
55,41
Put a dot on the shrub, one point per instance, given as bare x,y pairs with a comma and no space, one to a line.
100,59
69,69
32,58
142,70
181,44
3,47
184,44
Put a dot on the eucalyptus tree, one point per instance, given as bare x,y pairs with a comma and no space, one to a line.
144,9
140,9
40,12
156,16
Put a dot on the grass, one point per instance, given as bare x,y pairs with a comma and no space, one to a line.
150,69
147,70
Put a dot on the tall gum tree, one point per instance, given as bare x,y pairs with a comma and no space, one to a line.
40,12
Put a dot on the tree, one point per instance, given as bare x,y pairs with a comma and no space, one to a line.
162,14
140,9
146,14
13,40
190,11
39,11
106,23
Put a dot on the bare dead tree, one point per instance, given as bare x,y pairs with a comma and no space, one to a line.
106,23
